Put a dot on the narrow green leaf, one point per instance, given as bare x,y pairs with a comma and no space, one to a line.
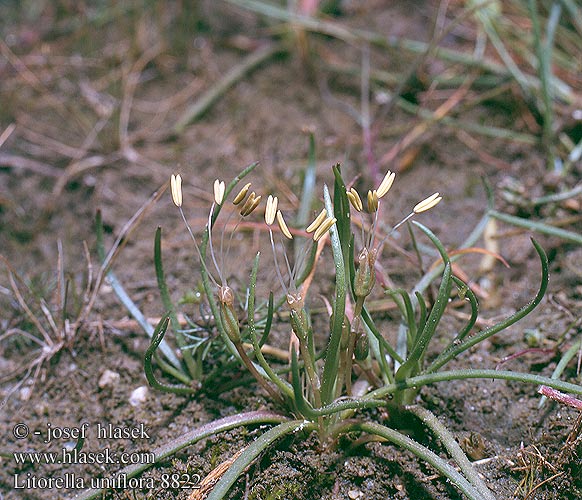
157,337
331,366
193,370
457,349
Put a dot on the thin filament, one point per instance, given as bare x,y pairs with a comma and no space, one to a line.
277,268
222,239
290,272
222,280
362,223
300,262
407,218
374,225
202,263
229,246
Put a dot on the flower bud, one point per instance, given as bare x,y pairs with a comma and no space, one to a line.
346,329
365,278
228,315
299,323
362,346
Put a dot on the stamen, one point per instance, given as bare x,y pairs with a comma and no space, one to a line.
277,268
219,188
271,209
355,199
317,222
372,235
212,254
290,272
427,203
323,228
300,261
283,226
176,188
252,202
372,201
386,184
423,206
239,198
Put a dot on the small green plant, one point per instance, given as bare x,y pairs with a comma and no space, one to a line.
330,386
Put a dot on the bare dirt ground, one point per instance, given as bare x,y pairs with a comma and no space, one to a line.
89,99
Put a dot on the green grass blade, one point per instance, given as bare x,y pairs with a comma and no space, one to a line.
453,352
448,440
423,310
268,322
424,454
341,211
539,227
561,366
125,299
446,376
193,369
474,309
280,383
250,453
187,439
330,368
157,337
425,336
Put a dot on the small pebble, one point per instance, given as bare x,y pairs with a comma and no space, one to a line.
41,409
108,378
25,393
354,494
138,396
69,445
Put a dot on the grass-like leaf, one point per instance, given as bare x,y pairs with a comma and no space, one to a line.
469,342
157,337
194,370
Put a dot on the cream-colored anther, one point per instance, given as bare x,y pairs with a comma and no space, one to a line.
176,189
219,188
355,199
386,184
241,194
317,222
427,203
372,201
283,225
271,209
323,228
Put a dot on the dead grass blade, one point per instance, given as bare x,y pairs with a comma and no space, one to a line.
203,103
206,485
